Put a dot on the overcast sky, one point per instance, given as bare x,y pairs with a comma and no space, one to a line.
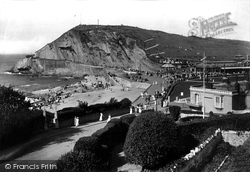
27,25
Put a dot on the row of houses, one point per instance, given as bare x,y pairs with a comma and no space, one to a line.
233,66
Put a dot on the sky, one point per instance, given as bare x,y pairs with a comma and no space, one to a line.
28,25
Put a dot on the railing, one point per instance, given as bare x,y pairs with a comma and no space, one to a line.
193,88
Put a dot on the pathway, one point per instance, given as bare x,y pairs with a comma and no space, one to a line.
46,149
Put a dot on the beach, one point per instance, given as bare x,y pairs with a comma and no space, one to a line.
88,91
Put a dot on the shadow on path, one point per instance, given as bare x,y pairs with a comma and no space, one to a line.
57,139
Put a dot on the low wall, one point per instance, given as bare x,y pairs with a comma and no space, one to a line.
126,83
93,117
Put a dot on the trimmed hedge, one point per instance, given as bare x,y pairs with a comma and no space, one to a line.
89,143
113,133
128,119
70,113
203,157
186,142
175,112
75,161
239,159
151,140
222,150
227,122
92,153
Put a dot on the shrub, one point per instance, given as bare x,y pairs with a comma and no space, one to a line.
198,162
151,140
89,143
125,103
83,105
186,142
13,98
128,119
112,100
222,150
113,133
75,161
210,131
18,125
175,112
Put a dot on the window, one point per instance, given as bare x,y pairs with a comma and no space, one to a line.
196,98
218,102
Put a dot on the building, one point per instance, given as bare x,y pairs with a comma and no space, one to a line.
220,98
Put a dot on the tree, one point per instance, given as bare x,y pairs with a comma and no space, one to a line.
13,98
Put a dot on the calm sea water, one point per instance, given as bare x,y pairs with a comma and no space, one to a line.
24,82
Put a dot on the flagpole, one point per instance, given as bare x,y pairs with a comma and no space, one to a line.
204,87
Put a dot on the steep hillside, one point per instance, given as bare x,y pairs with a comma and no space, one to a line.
90,49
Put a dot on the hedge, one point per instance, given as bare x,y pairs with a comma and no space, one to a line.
239,159
151,140
222,150
227,122
89,143
113,133
203,157
18,125
75,161
186,142
92,153
70,113
17,122
175,112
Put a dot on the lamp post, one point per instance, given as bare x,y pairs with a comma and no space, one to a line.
204,87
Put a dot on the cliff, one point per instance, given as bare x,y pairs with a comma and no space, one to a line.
86,51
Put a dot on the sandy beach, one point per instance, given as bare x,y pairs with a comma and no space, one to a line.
84,91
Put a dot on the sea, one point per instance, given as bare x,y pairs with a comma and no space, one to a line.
27,82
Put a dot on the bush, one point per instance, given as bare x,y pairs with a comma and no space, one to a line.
75,161
151,140
89,143
83,105
125,103
186,142
17,122
112,134
175,112
128,119
13,98
222,150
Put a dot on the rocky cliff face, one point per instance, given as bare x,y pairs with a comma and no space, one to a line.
86,51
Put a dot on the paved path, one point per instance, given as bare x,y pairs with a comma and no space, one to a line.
46,150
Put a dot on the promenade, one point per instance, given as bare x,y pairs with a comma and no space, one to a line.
47,147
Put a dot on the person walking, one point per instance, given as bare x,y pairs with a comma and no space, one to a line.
101,116
109,118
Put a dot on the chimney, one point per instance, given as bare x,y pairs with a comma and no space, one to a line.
237,85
